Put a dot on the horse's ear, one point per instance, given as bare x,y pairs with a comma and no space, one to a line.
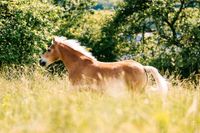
54,40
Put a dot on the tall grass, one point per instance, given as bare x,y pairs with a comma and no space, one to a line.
40,103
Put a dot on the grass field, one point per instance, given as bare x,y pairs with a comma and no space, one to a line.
43,104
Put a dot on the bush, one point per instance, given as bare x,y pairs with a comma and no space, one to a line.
25,27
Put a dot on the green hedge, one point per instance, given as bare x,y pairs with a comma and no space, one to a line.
25,28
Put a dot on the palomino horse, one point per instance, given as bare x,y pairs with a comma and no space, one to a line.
82,66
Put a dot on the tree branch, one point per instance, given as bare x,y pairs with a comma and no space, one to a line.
178,12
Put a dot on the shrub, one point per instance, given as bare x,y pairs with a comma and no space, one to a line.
25,27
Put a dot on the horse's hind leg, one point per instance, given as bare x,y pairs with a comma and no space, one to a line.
136,84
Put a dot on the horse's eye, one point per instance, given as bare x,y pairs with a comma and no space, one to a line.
49,50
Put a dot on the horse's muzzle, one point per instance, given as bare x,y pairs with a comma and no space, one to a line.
42,62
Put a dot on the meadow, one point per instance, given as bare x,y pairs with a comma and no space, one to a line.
42,103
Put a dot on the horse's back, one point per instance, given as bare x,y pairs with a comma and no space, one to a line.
118,64
121,66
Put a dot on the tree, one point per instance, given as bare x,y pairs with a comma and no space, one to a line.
114,32
74,11
174,40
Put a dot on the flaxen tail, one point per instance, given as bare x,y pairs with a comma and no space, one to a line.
160,81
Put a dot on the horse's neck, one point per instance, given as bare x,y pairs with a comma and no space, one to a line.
71,57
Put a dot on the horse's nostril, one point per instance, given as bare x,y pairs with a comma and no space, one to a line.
42,63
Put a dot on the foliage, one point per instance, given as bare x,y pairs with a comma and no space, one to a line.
168,31
113,32
90,33
179,33
74,11
107,4
26,26
173,42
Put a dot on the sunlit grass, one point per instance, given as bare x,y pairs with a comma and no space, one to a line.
38,103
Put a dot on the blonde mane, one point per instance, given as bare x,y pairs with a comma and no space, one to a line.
74,44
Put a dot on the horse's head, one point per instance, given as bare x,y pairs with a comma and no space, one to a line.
51,55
